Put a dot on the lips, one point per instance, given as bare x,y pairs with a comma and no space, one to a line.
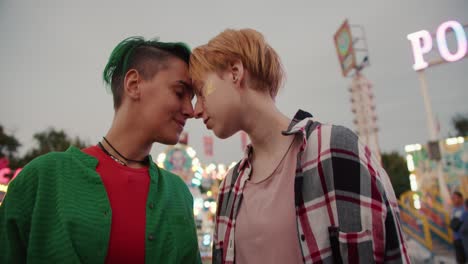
206,122
181,123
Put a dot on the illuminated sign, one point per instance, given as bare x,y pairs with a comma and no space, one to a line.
4,179
422,43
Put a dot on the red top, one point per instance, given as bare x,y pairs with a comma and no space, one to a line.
127,190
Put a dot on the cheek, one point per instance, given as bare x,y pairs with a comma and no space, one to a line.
216,106
209,88
160,112
170,104
226,113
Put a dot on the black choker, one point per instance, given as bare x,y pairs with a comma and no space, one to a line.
143,161
110,155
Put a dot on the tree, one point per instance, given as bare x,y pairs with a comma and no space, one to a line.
460,123
50,140
8,145
395,166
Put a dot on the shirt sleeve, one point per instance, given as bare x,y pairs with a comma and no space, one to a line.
464,226
194,254
15,215
366,204
217,252
395,248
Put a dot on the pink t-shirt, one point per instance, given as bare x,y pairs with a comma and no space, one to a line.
266,229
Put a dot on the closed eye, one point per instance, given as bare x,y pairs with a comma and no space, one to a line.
180,94
187,88
180,90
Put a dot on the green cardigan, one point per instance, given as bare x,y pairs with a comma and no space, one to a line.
57,211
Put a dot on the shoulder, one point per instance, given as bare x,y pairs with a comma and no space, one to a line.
334,143
351,163
340,137
41,165
38,173
48,159
336,135
171,177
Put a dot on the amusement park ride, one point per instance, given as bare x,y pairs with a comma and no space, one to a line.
437,168
203,181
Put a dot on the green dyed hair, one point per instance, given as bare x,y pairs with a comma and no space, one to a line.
145,56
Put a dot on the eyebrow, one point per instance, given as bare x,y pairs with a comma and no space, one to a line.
187,87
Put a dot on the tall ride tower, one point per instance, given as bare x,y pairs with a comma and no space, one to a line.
362,97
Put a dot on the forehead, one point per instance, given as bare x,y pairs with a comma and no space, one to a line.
174,72
176,67
198,81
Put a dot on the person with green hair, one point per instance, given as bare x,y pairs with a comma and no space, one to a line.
110,203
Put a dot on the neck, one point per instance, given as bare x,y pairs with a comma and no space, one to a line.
127,139
264,124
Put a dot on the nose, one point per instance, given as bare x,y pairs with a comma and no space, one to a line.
199,108
187,109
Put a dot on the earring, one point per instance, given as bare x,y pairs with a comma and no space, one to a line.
234,79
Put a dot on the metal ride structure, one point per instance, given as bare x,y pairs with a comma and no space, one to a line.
350,50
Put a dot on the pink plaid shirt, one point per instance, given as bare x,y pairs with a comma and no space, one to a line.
346,209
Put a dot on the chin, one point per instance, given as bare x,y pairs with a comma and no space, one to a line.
223,134
169,140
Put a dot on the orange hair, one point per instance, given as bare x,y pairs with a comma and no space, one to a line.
245,45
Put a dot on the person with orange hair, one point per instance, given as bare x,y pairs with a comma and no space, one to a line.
304,192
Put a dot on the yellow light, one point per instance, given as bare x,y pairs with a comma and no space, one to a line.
3,188
213,207
417,202
410,162
210,168
414,186
209,193
413,182
161,158
191,152
221,168
220,176
413,147
454,141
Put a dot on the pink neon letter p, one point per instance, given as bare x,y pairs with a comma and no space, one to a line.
421,43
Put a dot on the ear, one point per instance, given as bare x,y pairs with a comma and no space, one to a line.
237,72
131,84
